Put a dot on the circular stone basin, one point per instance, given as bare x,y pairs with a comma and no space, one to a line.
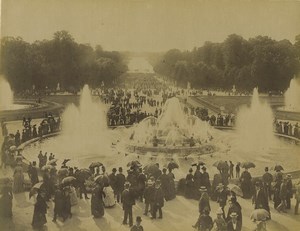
15,107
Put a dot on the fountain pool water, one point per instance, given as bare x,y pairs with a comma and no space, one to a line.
292,96
85,139
7,98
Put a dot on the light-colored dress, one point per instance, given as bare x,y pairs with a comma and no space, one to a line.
73,196
109,199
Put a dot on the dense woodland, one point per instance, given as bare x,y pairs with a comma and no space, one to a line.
59,60
259,61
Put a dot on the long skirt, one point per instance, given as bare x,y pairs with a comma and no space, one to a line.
109,200
18,183
97,208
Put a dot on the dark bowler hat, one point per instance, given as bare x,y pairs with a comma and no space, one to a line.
138,219
266,169
191,170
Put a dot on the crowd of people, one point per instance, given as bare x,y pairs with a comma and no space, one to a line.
287,128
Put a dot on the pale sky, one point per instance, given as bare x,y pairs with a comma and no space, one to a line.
150,25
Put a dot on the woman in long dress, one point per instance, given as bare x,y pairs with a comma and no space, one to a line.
6,202
109,199
97,205
172,189
18,179
40,210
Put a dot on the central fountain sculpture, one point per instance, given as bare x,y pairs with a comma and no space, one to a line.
6,95
173,131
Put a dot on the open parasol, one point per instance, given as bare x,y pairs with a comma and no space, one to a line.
134,163
52,162
236,189
68,179
220,164
172,165
259,215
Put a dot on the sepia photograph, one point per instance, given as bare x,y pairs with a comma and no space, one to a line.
150,115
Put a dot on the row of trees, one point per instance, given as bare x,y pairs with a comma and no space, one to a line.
259,61
59,60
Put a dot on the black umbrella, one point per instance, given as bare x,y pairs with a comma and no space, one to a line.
134,163
172,165
220,164
95,164
85,173
278,168
151,169
248,164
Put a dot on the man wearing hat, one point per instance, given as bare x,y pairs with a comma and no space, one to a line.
222,197
234,206
137,226
149,196
164,179
33,174
267,179
158,200
112,179
128,201
205,180
260,199
120,180
289,188
234,224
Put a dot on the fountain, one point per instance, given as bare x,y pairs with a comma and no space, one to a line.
6,95
292,96
173,131
255,125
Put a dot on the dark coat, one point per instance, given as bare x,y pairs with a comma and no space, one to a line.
97,206
222,197
58,202
204,202
34,175
204,223
260,200
159,197
39,214
198,176
235,207
120,181
149,194
112,181
127,199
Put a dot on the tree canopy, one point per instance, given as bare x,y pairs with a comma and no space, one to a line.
259,61
59,60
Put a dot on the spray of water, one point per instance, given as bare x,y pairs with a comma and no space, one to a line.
254,126
6,94
84,127
292,96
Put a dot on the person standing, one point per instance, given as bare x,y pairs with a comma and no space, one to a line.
204,200
246,184
219,223
41,158
267,179
197,177
260,199
222,197
6,201
189,185
204,222
205,180
289,194
164,179
297,197
40,210
141,184
282,195
33,174
172,190
231,166
18,178
137,226
148,196
158,201
120,180
67,204
237,170
234,207
97,205
58,203
128,201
